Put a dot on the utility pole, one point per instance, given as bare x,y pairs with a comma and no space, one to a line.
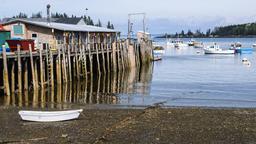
129,23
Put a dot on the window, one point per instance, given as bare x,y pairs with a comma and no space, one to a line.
18,29
34,35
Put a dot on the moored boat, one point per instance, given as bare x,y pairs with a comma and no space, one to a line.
198,45
170,43
180,43
158,52
191,42
236,45
49,116
176,43
215,49
243,50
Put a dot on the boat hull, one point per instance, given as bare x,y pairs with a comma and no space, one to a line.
244,50
42,116
206,51
158,51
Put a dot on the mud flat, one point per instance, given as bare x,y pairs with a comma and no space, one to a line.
148,125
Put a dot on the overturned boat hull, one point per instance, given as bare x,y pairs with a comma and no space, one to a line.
43,116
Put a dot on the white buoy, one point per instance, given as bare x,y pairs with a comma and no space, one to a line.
245,61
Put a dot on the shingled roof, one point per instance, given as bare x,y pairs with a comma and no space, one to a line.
68,20
64,27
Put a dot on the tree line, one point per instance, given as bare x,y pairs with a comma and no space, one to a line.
87,19
241,30
236,30
189,34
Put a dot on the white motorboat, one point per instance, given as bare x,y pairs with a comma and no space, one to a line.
176,43
198,45
170,43
215,49
179,44
49,116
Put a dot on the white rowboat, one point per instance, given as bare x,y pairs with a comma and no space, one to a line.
49,116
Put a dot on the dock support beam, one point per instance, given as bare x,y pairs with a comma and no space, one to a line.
6,77
19,71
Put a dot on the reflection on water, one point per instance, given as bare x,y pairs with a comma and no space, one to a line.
185,77
101,89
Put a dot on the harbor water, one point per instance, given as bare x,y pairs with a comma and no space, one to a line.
184,77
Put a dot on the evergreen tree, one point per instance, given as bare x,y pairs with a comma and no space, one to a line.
190,33
182,34
37,15
109,25
112,26
21,15
208,32
99,24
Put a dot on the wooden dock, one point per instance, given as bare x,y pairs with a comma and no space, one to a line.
62,63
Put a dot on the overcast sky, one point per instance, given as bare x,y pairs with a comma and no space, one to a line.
196,12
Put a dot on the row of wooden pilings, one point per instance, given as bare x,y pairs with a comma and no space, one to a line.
100,90
24,70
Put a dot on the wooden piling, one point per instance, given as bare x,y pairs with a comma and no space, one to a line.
6,78
32,68
103,58
90,59
84,61
13,78
114,67
41,68
19,70
58,67
51,69
122,55
36,74
25,75
77,64
118,56
69,63
108,62
98,60
64,64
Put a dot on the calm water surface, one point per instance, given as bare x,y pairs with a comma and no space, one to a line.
185,77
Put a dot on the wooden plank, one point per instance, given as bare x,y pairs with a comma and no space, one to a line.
41,68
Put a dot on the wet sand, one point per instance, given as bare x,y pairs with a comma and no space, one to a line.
148,125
